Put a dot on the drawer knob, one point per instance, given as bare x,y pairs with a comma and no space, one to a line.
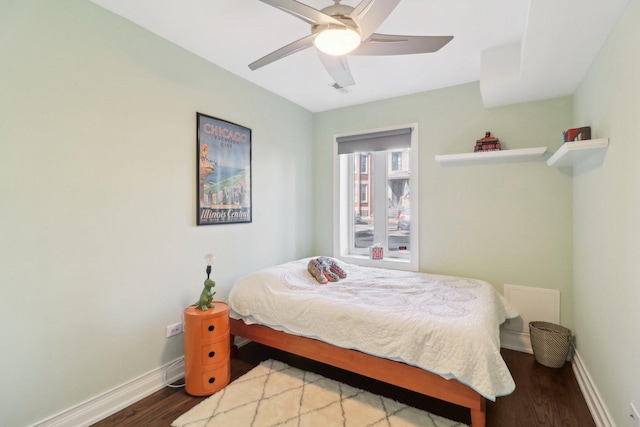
212,353
211,328
211,380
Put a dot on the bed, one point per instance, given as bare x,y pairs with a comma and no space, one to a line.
432,334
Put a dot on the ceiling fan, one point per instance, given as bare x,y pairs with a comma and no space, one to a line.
338,30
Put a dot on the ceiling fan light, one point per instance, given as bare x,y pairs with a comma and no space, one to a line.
337,41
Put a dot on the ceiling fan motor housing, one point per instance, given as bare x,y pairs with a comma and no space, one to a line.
339,12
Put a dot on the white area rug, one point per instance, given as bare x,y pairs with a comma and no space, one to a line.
276,394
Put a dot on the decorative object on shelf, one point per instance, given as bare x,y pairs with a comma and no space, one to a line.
223,172
577,134
376,251
204,303
488,143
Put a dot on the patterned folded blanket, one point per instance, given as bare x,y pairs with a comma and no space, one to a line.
325,269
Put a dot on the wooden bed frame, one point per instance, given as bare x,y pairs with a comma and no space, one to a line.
386,370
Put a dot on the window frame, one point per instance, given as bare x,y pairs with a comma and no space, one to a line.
343,231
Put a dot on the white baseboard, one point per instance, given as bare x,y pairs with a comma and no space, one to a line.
521,342
241,341
101,406
517,341
598,410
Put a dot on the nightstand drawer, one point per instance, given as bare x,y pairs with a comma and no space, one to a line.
214,327
215,352
216,378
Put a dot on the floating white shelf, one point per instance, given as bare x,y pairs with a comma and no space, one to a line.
480,156
574,152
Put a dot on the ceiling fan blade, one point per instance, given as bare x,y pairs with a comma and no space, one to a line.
369,14
287,50
338,69
302,11
384,44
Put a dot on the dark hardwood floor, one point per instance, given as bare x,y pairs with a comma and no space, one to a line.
543,396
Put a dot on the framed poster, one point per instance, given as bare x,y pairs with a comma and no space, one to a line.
224,171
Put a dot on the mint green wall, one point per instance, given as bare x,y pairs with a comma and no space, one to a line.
99,249
607,221
505,222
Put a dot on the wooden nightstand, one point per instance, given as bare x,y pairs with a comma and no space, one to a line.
206,349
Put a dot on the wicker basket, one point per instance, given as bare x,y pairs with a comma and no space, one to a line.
550,343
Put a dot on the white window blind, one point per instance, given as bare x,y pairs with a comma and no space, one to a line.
395,139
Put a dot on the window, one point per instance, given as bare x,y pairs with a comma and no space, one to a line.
396,161
363,164
376,189
364,190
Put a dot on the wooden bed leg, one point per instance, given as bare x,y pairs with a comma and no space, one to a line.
479,416
233,348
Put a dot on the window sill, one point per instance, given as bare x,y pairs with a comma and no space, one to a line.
390,263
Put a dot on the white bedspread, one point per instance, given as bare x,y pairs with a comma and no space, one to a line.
446,325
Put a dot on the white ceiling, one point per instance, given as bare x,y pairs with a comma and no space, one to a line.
519,50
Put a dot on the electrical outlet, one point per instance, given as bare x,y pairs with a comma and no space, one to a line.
174,329
634,415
